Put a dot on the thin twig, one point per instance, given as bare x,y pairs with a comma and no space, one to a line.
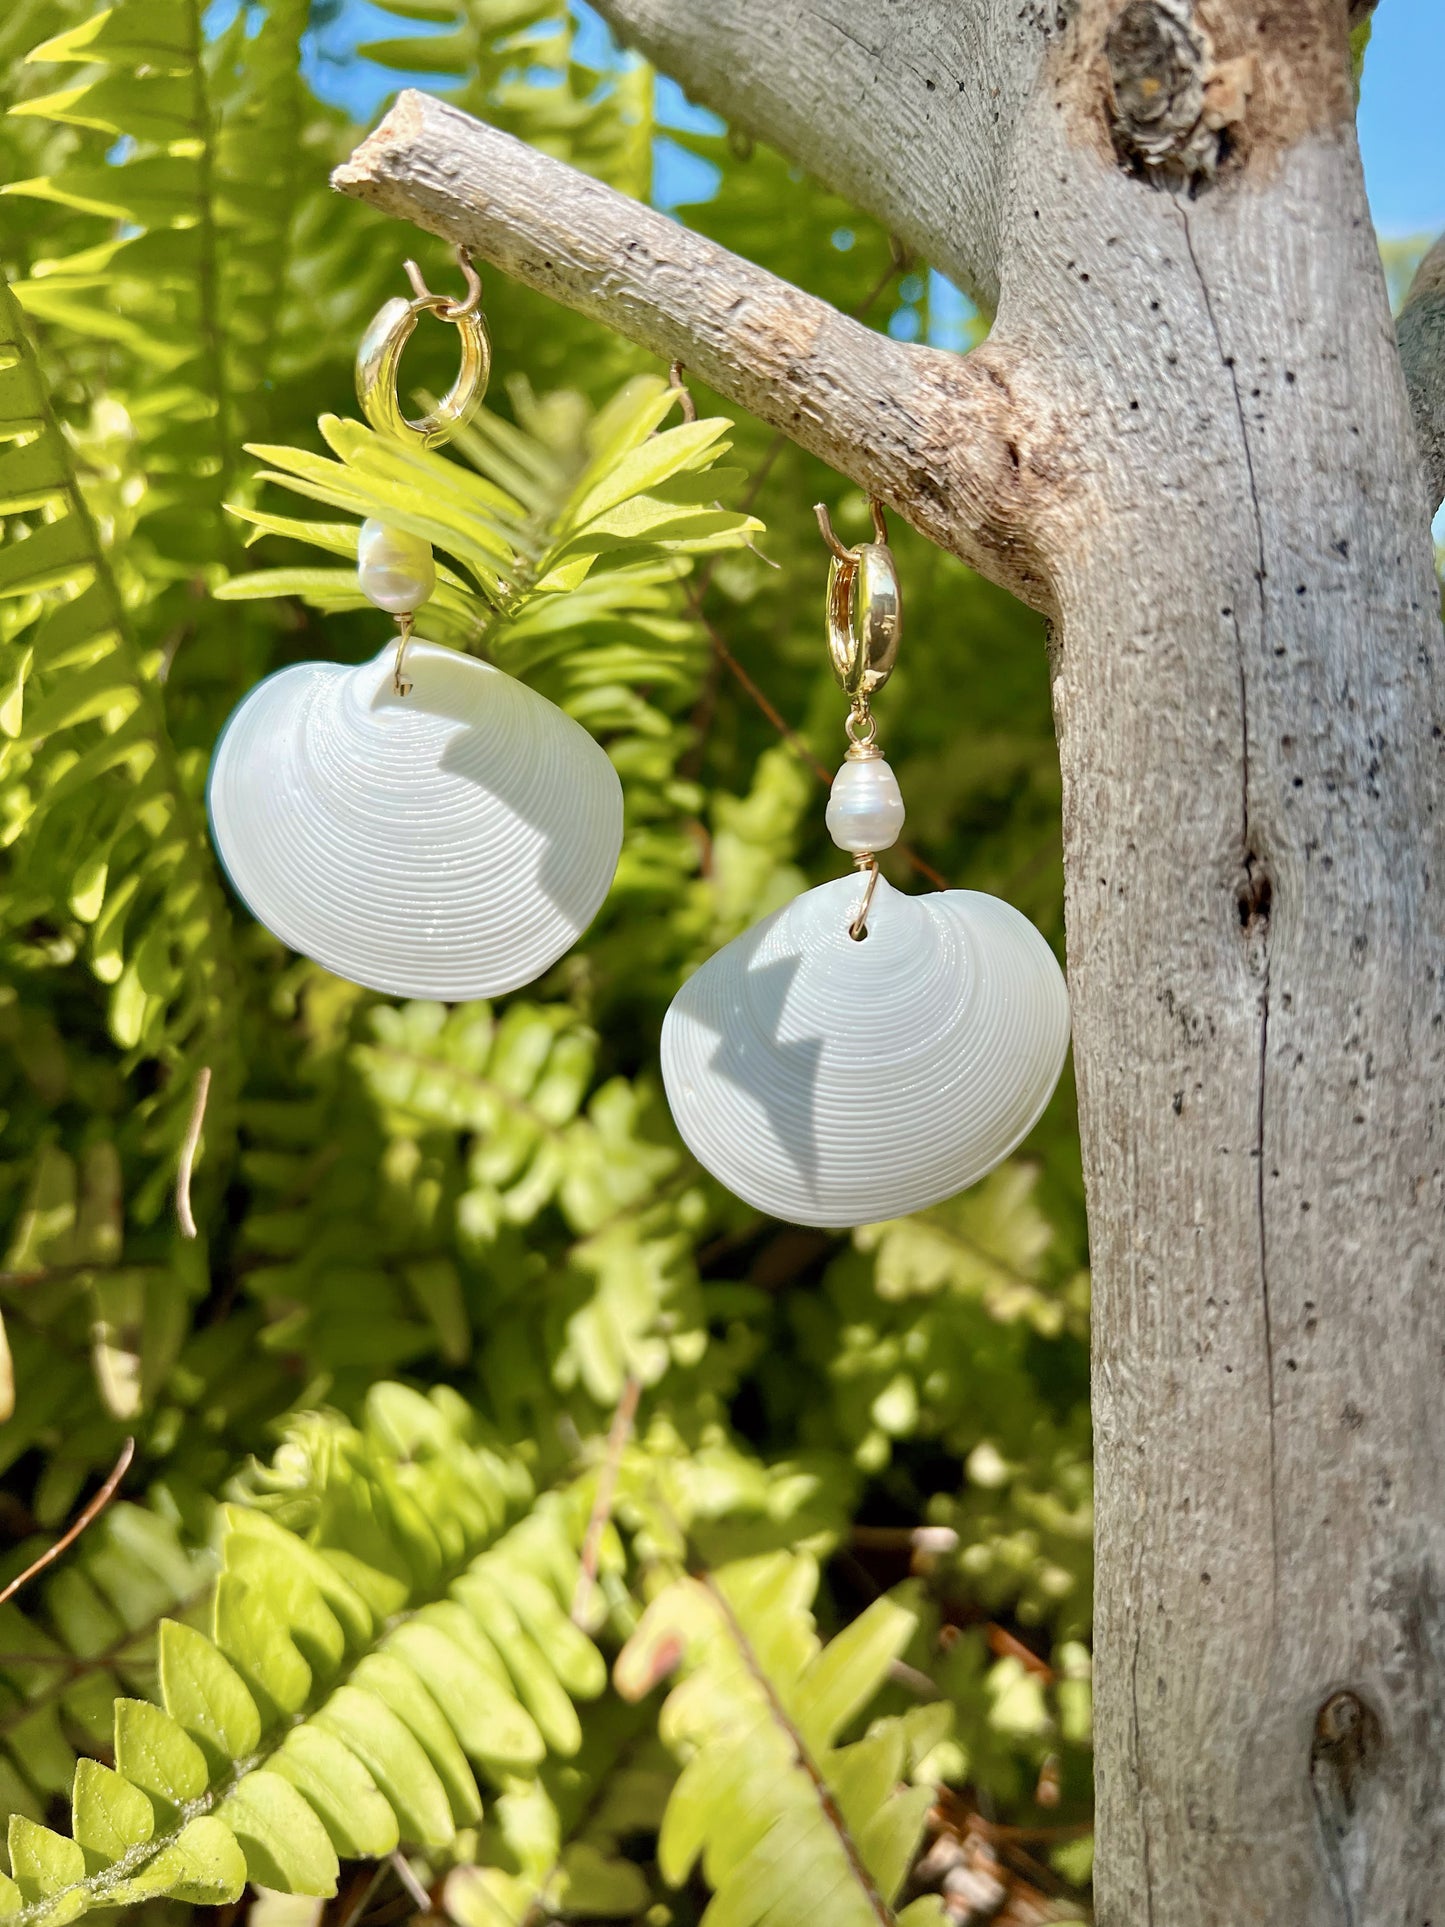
684,394
68,1538
1006,1645
621,1432
769,709
922,1538
366,1887
1008,1836
917,1683
188,1153
401,1866
48,1274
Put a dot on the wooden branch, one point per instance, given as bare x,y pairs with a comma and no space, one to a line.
1420,332
909,111
961,447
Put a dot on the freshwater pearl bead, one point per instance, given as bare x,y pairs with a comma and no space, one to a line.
865,808
395,569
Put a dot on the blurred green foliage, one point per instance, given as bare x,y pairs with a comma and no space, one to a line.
476,1410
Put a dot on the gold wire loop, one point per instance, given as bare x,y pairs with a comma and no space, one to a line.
378,361
864,606
825,523
400,681
454,310
685,401
861,729
858,928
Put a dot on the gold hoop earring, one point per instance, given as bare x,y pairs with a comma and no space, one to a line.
378,360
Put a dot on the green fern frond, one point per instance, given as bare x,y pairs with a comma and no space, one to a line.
531,523
557,1847
90,1638
205,187
478,1185
623,1299
935,1327
103,816
786,1815
376,1633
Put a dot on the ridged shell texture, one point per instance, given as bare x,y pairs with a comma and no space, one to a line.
451,843
833,1081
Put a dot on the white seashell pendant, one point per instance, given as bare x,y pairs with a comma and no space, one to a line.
451,843
833,1081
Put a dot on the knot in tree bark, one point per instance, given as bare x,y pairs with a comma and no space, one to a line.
1164,125
1346,1742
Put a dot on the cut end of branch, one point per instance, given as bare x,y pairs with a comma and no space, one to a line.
397,128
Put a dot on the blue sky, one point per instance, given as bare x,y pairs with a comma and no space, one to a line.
1402,117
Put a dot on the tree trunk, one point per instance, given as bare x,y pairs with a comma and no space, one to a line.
1189,440
1248,706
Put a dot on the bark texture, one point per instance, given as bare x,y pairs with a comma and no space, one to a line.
1421,335
941,438
1216,485
908,107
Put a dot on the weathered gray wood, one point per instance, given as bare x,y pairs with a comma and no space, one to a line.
1247,692
925,431
1420,333
906,106
1221,492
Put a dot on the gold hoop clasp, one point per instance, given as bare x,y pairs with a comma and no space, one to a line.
864,610
378,361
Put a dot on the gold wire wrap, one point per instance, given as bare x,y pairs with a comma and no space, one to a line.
858,928
400,681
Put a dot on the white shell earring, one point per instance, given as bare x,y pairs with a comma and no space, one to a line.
861,1054
421,824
